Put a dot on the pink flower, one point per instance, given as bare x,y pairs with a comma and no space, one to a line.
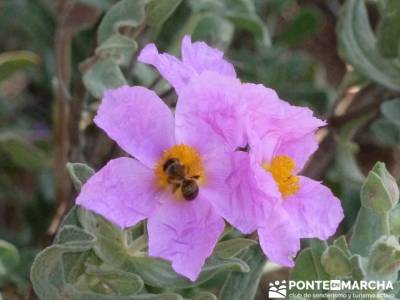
265,191
233,151
179,170
281,138
196,58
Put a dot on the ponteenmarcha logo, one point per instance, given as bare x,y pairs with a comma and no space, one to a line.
277,290
282,289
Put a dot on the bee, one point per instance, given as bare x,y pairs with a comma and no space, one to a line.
176,173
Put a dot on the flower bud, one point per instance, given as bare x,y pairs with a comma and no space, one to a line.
335,262
380,191
384,258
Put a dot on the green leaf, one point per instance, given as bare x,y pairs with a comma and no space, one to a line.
158,273
122,283
365,234
79,173
357,44
9,258
205,296
243,15
123,13
109,244
103,75
215,29
374,194
22,153
389,30
308,265
346,150
71,218
341,243
304,269
391,109
11,62
75,294
71,234
119,48
252,24
386,132
240,285
395,221
336,262
233,247
301,27
359,267
74,265
158,11
384,259
47,273
318,247
379,191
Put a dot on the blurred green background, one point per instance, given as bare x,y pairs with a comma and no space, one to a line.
340,58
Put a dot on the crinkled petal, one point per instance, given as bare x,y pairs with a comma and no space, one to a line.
138,120
172,69
280,128
263,107
263,149
279,239
241,203
298,121
298,149
314,210
123,192
185,233
298,134
202,57
209,113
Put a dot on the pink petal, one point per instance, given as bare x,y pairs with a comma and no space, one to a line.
298,149
123,192
172,69
298,134
241,203
314,210
263,106
202,57
298,121
138,120
185,233
280,128
209,113
279,239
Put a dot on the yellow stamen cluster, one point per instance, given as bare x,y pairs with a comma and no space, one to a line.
282,168
187,156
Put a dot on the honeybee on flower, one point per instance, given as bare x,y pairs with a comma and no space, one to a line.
232,151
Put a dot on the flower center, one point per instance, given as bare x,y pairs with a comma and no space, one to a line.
181,170
283,170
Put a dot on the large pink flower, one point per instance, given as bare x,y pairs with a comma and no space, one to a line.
234,150
265,192
179,170
196,58
281,138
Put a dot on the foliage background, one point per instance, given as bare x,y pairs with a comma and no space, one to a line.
340,58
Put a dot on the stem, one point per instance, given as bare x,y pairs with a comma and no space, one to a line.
62,99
